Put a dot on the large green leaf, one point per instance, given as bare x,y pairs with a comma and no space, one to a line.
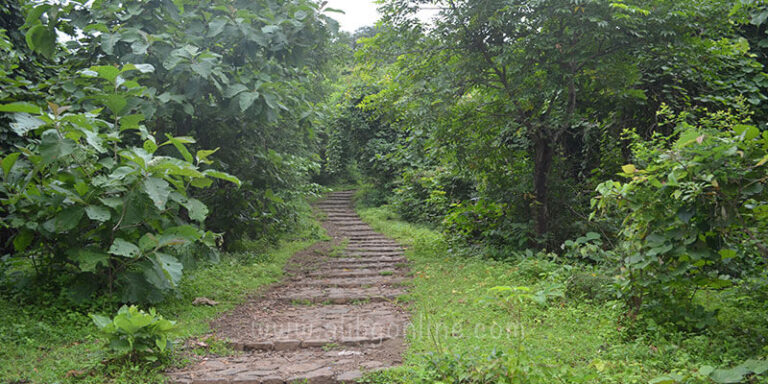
20,107
53,147
246,99
158,191
171,267
23,240
24,122
42,39
100,321
9,161
179,142
196,209
98,213
748,132
203,68
223,176
234,90
88,259
68,218
124,248
115,103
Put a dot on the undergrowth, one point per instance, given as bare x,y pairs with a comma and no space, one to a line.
462,333
48,340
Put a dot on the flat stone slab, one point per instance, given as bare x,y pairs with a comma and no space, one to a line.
342,365
354,281
272,325
355,273
369,259
361,265
316,295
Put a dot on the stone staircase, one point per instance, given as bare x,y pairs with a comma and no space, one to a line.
333,320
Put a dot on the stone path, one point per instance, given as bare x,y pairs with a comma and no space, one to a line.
331,321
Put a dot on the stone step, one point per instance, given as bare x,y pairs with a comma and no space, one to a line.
360,265
294,344
358,234
356,248
374,243
356,227
263,326
313,295
346,223
345,365
370,259
359,238
356,273
361,248
371,249
345,282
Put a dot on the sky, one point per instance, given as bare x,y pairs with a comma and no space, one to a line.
357,13
361,13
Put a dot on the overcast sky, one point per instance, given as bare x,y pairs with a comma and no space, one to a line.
361,13
357,13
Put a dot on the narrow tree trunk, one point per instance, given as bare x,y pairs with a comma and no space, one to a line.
542,164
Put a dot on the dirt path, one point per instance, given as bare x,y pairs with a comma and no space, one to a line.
333,319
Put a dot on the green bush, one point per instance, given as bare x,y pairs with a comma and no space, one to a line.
485,222
426,195
589,248
695,213
93,200
595,286
136,334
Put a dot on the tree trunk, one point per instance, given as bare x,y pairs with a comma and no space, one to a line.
542,164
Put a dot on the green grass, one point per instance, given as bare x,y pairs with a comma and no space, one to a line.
48,341
458,324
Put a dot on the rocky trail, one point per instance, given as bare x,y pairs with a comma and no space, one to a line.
331,320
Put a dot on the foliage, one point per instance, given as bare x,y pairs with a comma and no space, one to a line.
694,212
534,120
425,195
239,76
91,199
71,355
134,333
575,339
589,248
485,222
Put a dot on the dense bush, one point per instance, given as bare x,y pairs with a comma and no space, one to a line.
93,200
694,212
241,76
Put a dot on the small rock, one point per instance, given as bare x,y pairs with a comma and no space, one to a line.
204,301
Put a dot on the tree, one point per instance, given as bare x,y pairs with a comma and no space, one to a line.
556,79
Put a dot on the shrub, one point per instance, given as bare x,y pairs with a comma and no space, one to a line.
594,286
136,334
589,248
95,201
485,222
695,213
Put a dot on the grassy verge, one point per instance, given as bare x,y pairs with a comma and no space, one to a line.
49,341
464,331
